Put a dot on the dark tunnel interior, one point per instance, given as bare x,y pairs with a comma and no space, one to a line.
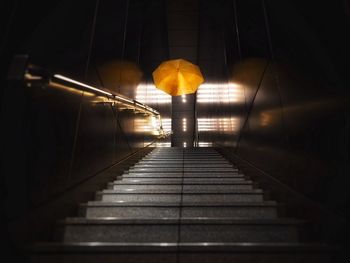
275,101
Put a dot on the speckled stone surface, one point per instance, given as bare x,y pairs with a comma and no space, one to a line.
187,174
167,199
181,191
230,212
188,233
147,187
188,181
121,233
141,197
137,212
197,175
174,212
181,165
185,257
186,169
238,233
186,162
200,198
185,180
184,187
253,258
121,257
227,198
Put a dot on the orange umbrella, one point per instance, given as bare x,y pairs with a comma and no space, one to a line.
177,77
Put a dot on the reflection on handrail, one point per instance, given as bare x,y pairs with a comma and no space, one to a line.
137,105
81,84
35,74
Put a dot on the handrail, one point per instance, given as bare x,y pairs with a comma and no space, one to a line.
34,74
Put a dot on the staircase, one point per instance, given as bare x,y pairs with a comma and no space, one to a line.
182,205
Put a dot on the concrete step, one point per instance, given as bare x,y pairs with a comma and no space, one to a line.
180,160
180,169
190,174
207,197
179,191
256,210
184,180
180,175
180,155
186,159
184,153
245,252
175,230
189,182
182,165
193,163
212,187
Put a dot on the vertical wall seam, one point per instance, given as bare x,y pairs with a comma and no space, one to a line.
77,125
251,106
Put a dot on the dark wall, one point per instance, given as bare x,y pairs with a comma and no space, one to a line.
291,67
56,138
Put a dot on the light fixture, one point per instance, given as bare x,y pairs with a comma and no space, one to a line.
184,124
220,93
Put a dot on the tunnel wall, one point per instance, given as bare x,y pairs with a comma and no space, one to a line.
292,122
57,138
298,135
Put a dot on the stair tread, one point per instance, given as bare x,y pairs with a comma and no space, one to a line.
150,182
182,221
185,192
175,247
185,176
176,204
183,180
141,209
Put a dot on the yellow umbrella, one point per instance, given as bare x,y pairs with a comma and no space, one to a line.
177,77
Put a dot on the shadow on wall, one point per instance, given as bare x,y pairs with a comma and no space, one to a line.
56,138
295,129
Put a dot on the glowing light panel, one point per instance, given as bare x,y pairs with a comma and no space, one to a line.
149,94
205,144
218,124
220,93
184,124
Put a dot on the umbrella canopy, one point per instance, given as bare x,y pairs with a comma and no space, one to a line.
177,77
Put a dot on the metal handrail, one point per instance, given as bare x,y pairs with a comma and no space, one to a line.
37,74
34,74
